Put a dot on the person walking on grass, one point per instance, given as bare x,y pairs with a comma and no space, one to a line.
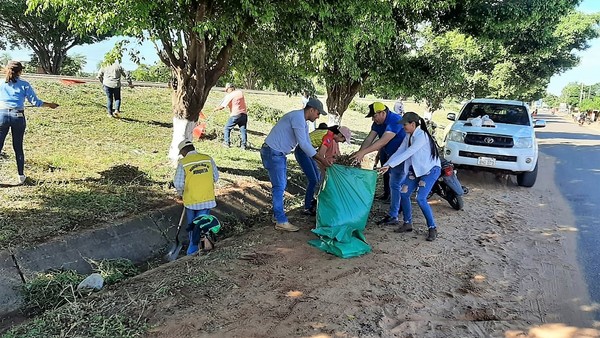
418,158
386,135
110,77
238,114
13,93
290,131
194,180
325,141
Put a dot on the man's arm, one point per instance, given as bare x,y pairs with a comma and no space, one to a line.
100,75
225,101
127,76
385,139
215,170
179,180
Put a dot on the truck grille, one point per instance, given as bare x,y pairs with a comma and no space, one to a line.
497,157
486,140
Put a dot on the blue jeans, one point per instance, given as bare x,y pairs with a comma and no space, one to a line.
383,157
112,94
397,176
424,183
312,172
276,164
14,121
241,121
190,215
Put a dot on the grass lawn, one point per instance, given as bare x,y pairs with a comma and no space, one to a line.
87,170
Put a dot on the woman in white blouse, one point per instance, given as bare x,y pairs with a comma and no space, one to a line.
419,155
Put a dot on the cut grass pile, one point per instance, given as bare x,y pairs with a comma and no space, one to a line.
53,289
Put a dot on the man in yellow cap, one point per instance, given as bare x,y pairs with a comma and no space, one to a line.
387,133
194,180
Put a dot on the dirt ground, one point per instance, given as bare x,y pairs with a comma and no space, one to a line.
502,267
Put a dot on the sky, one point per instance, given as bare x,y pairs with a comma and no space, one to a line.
588,70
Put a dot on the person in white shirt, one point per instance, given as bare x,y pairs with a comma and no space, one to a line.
399,106
419,155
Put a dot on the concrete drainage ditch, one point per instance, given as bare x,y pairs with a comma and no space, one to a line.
139,240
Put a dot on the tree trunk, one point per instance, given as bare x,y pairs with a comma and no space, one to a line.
194,82
187,102
339,97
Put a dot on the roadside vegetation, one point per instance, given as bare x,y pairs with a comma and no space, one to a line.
86,170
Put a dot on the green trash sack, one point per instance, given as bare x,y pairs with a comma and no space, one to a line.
343,210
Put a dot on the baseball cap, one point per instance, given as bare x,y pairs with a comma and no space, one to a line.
184,144
347,133
410,117
375,107
317,104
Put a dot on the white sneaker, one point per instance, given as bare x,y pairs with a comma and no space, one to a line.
22,179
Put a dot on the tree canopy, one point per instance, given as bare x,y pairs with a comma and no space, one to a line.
44,32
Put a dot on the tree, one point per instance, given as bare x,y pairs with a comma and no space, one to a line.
571,94
551,100
520,33
72,65
353,40
157,72
43,32
195,38
4,58
590,104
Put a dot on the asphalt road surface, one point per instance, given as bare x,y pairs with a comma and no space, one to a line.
576,150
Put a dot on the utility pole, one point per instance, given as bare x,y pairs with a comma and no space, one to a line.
581,94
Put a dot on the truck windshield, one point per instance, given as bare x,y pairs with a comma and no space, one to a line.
499,113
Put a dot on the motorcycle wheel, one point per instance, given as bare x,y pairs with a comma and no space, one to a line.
455,201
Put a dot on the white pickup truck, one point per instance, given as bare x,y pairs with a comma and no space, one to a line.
505,141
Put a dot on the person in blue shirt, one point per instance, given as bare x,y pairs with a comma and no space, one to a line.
13,93
289,132
386,135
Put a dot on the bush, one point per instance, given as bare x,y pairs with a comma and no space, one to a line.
265,113
358,107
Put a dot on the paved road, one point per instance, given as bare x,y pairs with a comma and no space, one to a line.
577,173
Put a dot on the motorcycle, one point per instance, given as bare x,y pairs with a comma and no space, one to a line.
448,186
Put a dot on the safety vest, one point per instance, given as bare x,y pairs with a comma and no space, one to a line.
199,186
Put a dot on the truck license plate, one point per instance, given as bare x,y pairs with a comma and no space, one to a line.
486,161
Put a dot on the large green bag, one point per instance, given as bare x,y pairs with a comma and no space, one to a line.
343,210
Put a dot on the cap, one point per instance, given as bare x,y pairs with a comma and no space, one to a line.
347,133
410,117
184,144
317,104
229,85
376,107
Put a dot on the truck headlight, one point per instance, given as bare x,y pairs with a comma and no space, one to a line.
456,136
523,142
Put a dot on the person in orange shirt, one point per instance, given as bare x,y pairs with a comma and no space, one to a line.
238,114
